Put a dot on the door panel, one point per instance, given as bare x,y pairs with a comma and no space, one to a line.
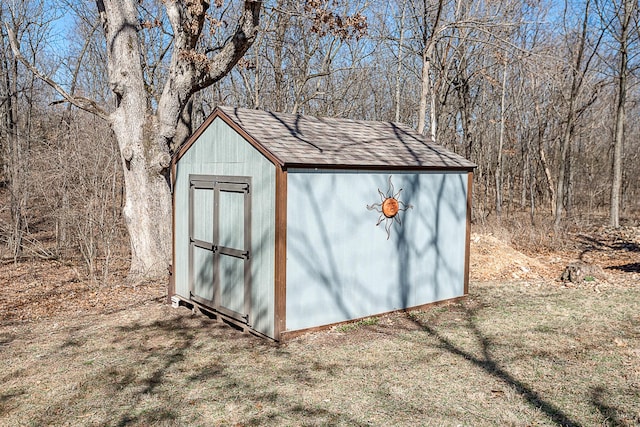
202,266
203,214
220,244
231,225
233,238
201,256
232,283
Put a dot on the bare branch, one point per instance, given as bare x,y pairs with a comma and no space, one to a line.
235,48
78,101
190,69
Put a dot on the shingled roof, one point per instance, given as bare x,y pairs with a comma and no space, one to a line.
296,140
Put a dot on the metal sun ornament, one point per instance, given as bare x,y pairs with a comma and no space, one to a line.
389,207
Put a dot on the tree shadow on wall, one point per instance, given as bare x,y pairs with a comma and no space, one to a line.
437,237
411,259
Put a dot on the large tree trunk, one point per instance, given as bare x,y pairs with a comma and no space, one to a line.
147,138
147,209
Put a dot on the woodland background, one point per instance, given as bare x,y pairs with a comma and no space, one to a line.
542,95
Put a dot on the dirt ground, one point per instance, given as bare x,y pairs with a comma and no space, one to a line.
615,252
523,349
38,290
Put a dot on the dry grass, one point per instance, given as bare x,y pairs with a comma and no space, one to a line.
522,350
512,354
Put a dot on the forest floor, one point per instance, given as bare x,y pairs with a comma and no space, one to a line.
523,349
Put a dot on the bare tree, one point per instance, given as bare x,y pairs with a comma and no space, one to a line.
19,98
429,24
148,133
621,28
300,53
581,61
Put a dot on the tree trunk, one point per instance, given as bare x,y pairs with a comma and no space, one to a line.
577,78
562,172
547,173
434,102
147,214
614,214
616,181
399,67
281,25
503,116
147,207
13,156
542,128
426,88
424,91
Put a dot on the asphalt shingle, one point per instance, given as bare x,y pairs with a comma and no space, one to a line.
297,140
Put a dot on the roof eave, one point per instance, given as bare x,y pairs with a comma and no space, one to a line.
364,166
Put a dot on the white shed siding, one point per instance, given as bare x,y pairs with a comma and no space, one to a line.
220,150
340,266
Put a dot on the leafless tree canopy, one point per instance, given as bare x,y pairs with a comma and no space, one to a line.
94,98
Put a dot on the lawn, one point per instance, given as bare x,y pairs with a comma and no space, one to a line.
518,353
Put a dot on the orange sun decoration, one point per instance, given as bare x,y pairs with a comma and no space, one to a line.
389,207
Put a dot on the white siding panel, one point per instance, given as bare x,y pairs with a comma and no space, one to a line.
340,266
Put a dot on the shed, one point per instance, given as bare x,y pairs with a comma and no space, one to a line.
287,223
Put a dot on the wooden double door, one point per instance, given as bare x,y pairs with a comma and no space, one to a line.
220,244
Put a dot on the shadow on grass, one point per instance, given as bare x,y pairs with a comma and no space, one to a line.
609,413
491,367
305,415
595,244
150,416
182,369
633,267
121,381
6,338
8,396
152,368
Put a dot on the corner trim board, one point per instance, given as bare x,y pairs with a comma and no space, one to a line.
467,245
280,253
